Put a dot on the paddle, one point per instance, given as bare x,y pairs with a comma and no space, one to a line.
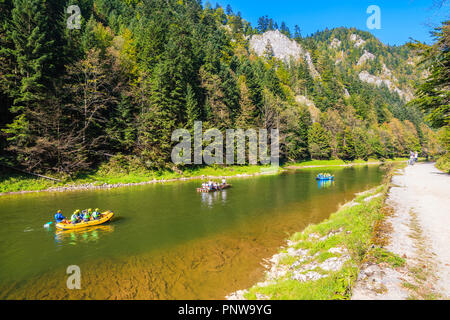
47,225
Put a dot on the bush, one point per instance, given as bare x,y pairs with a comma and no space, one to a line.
443,163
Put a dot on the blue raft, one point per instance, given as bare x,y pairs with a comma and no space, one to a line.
324,178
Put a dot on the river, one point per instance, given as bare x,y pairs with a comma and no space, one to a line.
166,241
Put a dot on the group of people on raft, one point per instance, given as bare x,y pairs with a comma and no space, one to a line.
211,186
325,176
79,216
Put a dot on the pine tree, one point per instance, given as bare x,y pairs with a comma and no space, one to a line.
229,10
433,96
346,145
298,33
7,66
246,118
192,108
268,51
35,33
318,142
157,122
285,30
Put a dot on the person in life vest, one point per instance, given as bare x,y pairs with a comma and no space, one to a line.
87,215
96,214
75,217
59,217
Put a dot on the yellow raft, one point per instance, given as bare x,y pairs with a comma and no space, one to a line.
106,216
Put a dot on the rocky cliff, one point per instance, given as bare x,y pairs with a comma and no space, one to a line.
283,48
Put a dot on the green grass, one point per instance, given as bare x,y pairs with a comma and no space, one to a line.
357,227
143,176
319,163
19,182
334,287
122,170
383,256
113,175
331,163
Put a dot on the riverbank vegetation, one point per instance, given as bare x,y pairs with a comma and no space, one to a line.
323,261
443,163
433,94
122,171
75,100
334,163
110,175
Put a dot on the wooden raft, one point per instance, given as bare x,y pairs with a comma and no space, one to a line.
203,190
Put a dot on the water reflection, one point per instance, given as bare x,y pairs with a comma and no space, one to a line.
172,242
209,199
73,237
324,184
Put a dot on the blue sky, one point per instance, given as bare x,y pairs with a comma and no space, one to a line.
400,19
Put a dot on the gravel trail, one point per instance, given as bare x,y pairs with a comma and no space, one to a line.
420,197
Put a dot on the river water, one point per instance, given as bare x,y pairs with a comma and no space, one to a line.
166,241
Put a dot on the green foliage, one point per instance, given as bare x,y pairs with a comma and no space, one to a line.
319,142
137,70
383,256
433,95
443,163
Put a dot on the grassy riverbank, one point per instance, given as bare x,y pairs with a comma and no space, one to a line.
17,182
323,261
334,163
113,174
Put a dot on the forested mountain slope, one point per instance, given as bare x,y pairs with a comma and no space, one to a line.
139,69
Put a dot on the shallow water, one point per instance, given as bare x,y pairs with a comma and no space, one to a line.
167,241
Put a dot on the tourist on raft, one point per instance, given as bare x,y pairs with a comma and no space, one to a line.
87,215
75,217
212,186
96,215
59,217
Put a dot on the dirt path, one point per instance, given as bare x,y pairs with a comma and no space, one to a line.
420,234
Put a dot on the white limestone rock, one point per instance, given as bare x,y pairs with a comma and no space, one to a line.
336,43
365,57
357,40
283,48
